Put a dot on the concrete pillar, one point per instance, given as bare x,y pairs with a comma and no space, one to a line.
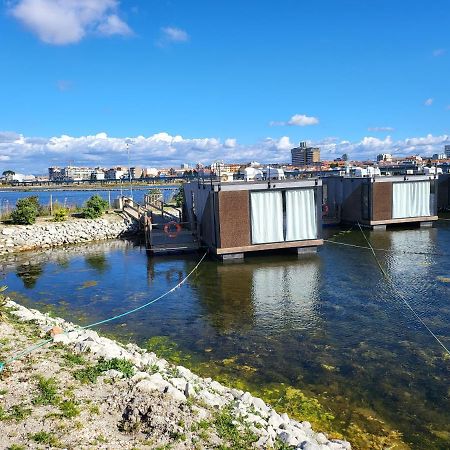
379,227
233,257
306,250
426,224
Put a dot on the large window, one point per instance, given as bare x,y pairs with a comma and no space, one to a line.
278,216
267,217
411,199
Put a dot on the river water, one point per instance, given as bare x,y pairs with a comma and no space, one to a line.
323,337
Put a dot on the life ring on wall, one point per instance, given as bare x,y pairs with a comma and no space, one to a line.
325,210
172,229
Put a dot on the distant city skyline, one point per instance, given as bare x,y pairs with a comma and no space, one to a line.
237,81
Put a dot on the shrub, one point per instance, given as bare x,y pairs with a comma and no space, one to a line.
27,209
95,207
179,197
61,215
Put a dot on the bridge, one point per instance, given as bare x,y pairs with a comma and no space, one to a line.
162,224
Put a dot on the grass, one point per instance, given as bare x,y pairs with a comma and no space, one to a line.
48,392
91,373
16,412
42,437
69,409
235,437
73,359
16,447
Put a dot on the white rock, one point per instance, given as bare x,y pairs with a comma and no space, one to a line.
321,438
155,383
275,420
138,376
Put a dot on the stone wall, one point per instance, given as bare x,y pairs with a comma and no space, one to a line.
19,238
178,384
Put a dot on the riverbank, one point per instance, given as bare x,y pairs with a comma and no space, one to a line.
85,390
46,234
88,187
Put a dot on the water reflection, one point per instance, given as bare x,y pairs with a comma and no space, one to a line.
98,262
285,295
30,273
328,324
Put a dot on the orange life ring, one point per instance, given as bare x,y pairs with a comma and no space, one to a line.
172,229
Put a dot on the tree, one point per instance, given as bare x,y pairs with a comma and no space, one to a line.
179,197
8,174
95,207
27,209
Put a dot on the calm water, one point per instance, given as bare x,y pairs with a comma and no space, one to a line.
326,324
8,199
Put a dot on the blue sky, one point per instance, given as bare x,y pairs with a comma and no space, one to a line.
234,80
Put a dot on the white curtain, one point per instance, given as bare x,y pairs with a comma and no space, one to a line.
301,215
267,217
411,199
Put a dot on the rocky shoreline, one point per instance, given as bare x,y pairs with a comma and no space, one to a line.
44,235
114,396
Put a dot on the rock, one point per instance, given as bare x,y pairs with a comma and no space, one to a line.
307,445
321,438
344,444
61,338
155,383
112,373
138,376
54,331
275,420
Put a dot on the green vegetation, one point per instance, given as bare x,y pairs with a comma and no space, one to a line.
95,207
236,437
48,392
91,373
60,215
27,209
69,409
178,198
42,437
73,359
3,304
16,447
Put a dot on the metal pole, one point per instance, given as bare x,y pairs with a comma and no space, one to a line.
129,171
109,199
51,204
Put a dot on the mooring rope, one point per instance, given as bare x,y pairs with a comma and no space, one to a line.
329,241
101,322
394,289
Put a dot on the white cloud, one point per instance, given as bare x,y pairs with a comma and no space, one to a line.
171,35
380,129
299,120
428,101
114,25
61,22
439,52
34,155
230,143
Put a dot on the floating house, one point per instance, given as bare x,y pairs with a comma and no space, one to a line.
444,192
240,217
379,201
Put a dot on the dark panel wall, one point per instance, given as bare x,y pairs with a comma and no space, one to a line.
382,201
352,199
443,191
234,217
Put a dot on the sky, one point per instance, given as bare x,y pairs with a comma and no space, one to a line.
239,81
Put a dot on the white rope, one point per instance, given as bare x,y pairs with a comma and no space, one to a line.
389,279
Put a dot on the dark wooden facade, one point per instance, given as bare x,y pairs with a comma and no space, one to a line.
221,213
